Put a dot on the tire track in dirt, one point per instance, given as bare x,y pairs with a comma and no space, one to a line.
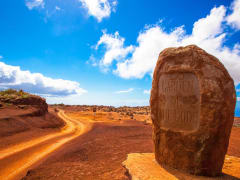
17,160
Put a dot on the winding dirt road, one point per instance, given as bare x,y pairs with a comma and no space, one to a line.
15,161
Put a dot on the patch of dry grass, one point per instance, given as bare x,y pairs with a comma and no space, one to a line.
13,94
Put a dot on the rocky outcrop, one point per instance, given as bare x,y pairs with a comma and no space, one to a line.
192,109
31,100
22,112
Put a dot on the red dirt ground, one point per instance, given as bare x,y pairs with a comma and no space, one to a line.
234,142
14,120
20,125
98,155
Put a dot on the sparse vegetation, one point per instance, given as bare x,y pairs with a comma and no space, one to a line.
13,94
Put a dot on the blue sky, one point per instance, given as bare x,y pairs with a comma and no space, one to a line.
104,51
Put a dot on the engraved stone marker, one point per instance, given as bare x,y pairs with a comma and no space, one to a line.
179,101
192,108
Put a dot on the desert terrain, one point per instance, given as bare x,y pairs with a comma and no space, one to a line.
73,142
99,153
30,132
119,90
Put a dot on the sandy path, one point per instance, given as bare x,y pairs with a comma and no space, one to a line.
17,160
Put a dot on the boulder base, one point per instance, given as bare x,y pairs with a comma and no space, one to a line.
143,166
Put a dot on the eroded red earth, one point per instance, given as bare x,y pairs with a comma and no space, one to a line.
98,155
95,155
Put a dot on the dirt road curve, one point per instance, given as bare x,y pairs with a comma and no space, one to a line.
17,160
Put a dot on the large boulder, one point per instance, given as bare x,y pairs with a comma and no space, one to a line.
192,109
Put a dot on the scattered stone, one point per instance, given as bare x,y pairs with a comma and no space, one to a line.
192,109
21,106
145,122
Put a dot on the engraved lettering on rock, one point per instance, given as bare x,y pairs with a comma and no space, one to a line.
179,101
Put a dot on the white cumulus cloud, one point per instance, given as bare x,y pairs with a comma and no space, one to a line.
234,18
147,91
58,8
124,91
207,33
14,77
34,4
115,49
99,8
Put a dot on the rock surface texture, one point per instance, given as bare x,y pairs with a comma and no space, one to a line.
192,109
143,166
